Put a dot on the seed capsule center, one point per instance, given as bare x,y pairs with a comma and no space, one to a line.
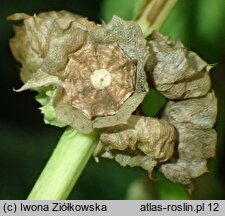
100,79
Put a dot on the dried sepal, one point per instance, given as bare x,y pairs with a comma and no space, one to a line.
44,40
196,144
141,139
122,116
193,120
23,52
174,71
40,79
102,78
183,171
194,113
67,115
144,161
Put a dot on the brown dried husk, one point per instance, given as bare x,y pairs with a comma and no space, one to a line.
193,119
143,141
193,113
44,44
174,71
182,75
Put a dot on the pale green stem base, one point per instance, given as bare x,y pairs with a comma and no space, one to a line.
153,14
64,166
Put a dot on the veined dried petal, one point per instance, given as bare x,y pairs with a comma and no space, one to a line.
193,119
144,161
174,71
194,113
156,138
45,40
141,135
23,52
40,79
183,171
196,144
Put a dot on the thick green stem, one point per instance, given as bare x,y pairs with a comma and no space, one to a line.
64,166
153,14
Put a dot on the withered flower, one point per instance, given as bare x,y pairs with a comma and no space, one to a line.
174,71
183,76
96,71
99,78
143,141
94,76
193,119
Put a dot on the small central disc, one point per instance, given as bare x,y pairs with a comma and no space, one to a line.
101,78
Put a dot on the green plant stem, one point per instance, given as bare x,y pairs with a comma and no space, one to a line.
153,14
64,166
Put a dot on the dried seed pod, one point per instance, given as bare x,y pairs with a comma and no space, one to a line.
174,71
97,71
194,113
183,171
142,136
195,144
193,119
156,138
99,78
